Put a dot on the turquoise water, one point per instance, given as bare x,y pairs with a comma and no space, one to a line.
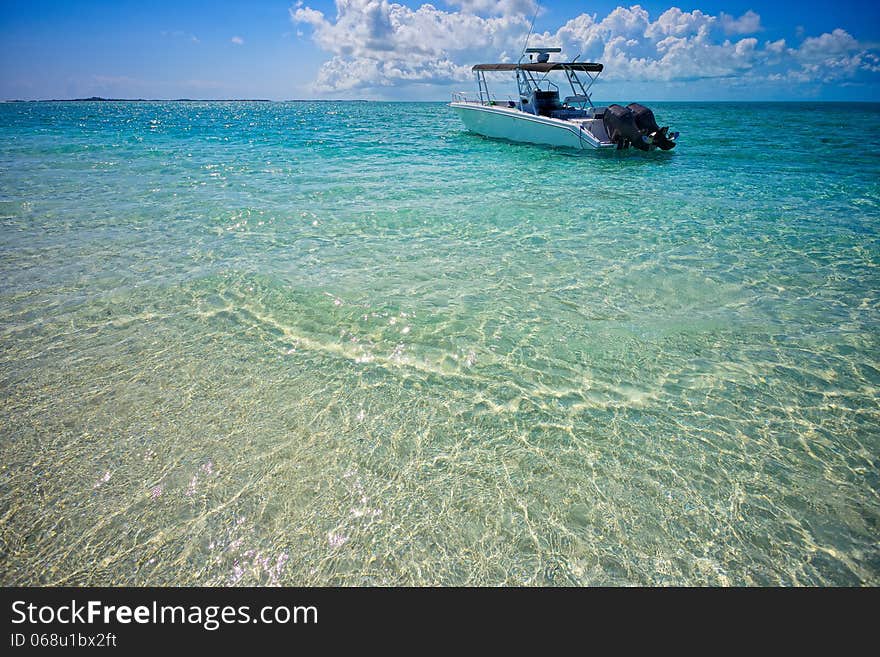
350,343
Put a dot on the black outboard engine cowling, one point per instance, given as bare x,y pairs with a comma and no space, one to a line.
635,125
648,125
620,124
644,117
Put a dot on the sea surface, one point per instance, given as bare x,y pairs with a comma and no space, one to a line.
352,344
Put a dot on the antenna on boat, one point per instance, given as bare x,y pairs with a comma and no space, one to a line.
531,27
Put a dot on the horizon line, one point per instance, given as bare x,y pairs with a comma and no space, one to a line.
97,99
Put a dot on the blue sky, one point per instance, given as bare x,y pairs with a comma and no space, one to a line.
411,50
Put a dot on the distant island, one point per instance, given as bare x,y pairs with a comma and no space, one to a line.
99,99
94,99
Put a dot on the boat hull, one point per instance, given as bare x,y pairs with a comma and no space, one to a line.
515,125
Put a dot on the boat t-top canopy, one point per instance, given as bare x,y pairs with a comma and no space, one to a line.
532,76
542,67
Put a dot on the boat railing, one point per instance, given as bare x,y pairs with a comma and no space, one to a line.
463,97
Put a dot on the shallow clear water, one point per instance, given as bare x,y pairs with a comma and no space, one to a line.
321,343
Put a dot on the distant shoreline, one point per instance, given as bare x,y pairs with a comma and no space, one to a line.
99,99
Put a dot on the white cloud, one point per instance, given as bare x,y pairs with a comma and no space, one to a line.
777,47
496,7
376,44
831,57
833,43
675,22
237,40
748,23
872,63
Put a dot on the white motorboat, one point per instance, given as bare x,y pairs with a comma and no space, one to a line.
538,116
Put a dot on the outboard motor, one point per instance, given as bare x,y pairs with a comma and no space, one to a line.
648,125
635,125
620,124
